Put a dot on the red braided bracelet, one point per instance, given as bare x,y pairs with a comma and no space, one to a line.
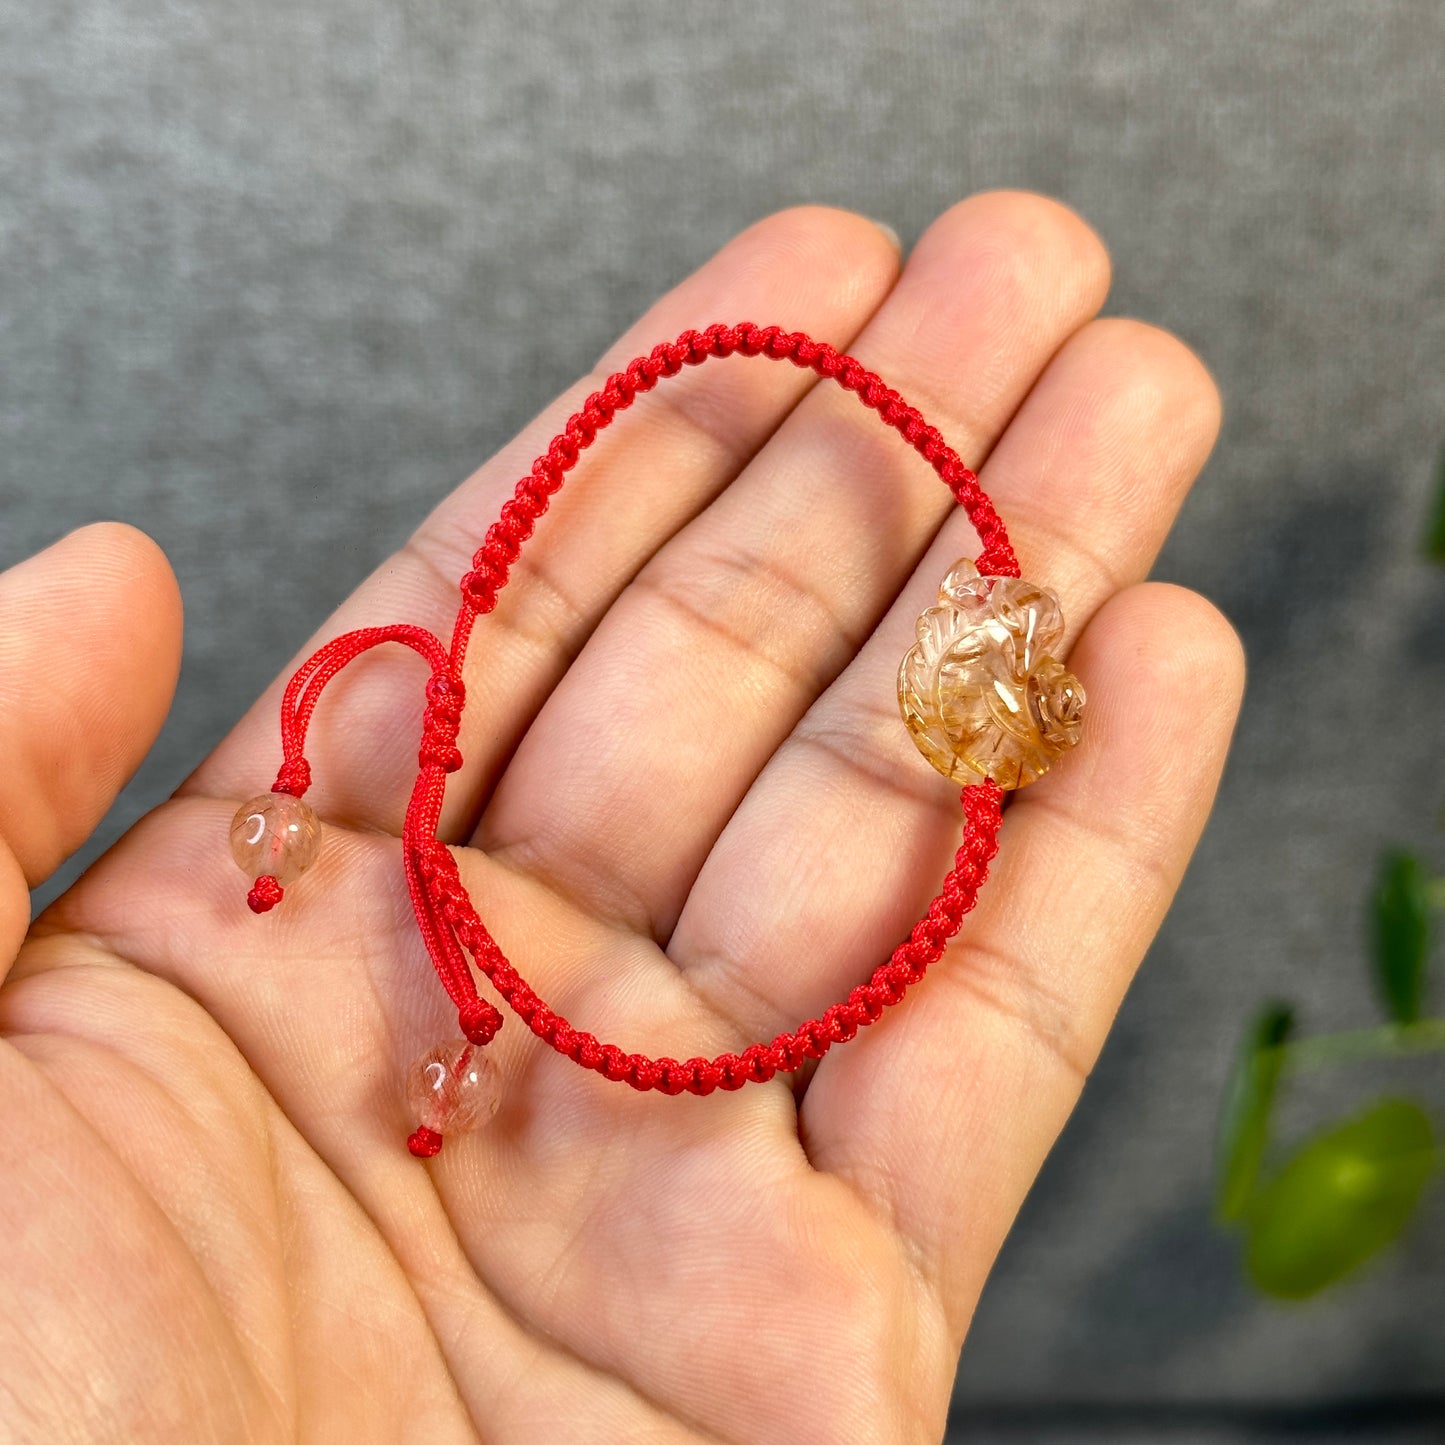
983,700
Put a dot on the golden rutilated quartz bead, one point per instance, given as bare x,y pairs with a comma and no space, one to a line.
978,690
276,835
453,1088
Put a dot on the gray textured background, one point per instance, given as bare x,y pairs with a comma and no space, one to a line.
260,261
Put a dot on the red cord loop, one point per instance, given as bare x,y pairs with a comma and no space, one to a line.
449,924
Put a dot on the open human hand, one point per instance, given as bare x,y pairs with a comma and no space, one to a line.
691,816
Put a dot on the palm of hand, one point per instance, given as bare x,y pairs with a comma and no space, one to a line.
698,828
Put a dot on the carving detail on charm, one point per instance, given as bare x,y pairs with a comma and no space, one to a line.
979,692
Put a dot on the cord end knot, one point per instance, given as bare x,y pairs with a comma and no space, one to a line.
294,777
265,894
479,1021
425,1143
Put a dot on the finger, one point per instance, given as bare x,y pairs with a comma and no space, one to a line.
706,662
1109,439
941,1117
825,271
90,644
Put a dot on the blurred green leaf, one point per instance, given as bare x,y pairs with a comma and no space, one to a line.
1435,534
1343,1196
1402,934
1244,1120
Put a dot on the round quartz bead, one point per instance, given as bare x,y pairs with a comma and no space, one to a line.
275,834
453,1087
979,691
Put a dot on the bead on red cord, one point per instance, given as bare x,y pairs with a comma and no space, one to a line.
981,692
274,839
454,1087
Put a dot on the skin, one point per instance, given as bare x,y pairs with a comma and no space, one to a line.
692,816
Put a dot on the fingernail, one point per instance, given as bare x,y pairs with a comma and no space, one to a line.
890,233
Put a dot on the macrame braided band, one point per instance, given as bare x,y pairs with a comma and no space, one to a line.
758,1062
450,925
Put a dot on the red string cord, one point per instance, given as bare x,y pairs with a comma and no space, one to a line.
449,924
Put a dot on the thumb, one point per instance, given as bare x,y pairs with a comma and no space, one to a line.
90,646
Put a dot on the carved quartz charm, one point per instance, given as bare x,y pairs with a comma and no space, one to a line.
979,691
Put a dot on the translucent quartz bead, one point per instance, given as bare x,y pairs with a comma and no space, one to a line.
275,834
453,1087
979,692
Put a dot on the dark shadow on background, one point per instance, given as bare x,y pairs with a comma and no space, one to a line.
1427,636
1390,1422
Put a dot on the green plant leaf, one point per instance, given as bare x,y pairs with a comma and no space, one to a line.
1244,1119
1341,1198
1435,532
1402,934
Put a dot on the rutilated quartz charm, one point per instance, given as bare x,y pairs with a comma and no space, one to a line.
979,692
